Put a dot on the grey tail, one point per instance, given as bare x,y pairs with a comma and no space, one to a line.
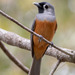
35,68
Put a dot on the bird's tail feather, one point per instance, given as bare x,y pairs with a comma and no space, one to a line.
35,68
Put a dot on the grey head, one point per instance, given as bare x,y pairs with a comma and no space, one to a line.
45,11
44,7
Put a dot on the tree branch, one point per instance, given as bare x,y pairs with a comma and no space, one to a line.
15,40
21,25
55,67
13,58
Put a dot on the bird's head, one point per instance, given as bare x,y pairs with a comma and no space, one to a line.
44,7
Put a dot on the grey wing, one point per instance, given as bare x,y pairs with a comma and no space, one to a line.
56,27
32,43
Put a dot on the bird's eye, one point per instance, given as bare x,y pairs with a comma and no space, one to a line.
46,6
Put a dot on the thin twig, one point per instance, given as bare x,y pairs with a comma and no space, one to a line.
13,58
55,67
21,25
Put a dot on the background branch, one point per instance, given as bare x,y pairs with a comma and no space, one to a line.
55,67
15,40
13,58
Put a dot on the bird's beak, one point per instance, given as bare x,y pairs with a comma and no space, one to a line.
37,4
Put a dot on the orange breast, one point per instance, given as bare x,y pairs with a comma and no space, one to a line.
47,30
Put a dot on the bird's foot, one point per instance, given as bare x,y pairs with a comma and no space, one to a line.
40,38
51,44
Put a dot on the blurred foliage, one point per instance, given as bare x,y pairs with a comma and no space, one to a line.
24,11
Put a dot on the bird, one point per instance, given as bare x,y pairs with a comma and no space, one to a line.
45,25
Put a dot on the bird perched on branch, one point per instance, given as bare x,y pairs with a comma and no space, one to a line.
45,25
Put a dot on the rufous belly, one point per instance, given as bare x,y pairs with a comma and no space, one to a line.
47,30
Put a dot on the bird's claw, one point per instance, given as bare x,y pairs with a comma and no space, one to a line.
51,44
40,39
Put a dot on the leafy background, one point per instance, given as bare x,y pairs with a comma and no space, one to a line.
24,11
